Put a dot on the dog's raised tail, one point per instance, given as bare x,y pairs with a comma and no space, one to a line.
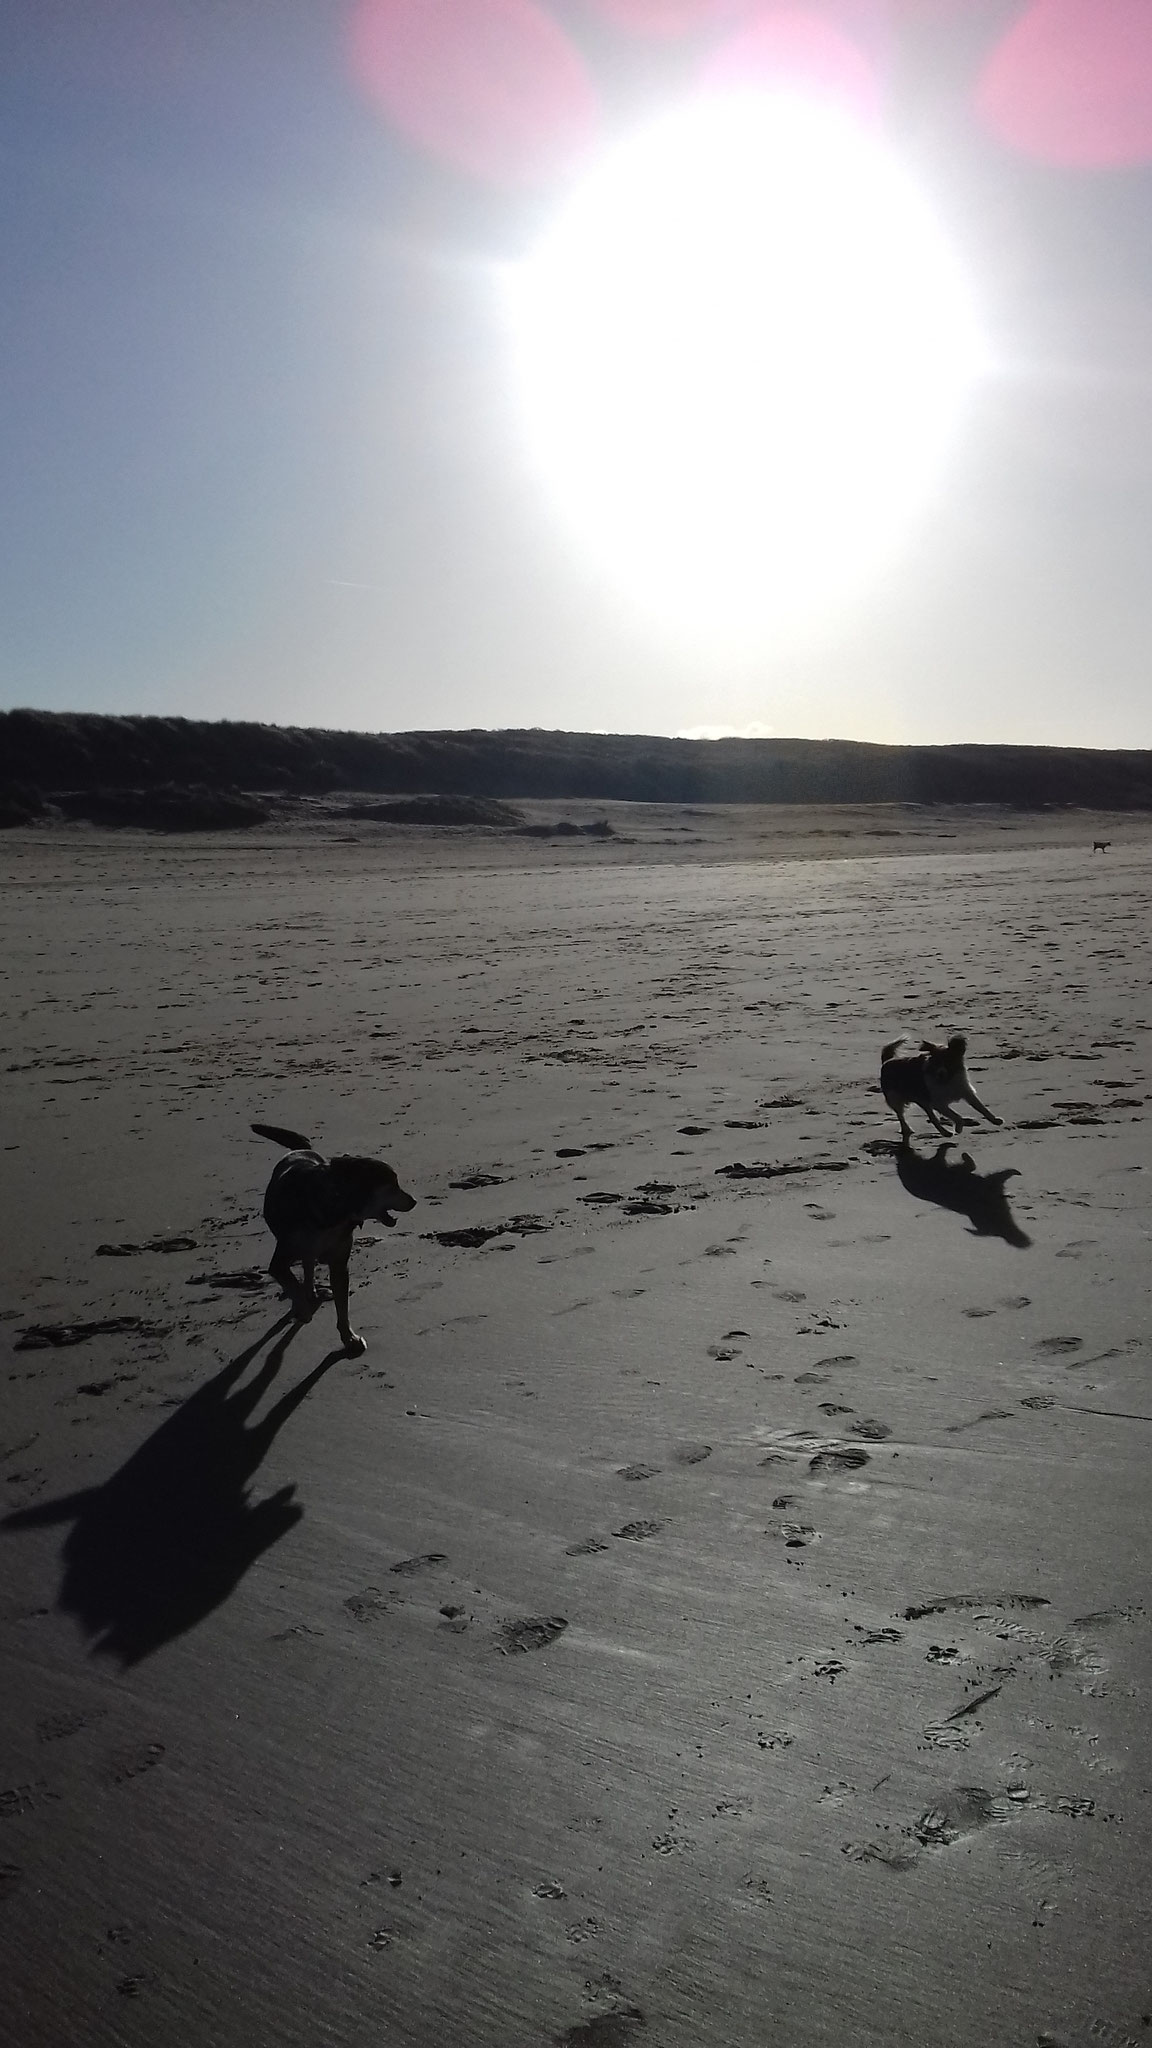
291,1140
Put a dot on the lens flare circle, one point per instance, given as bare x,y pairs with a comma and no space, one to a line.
740,350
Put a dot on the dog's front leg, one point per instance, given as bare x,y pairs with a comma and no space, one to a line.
338,1274
971,1096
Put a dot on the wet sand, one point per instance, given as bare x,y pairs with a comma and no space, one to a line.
713,1610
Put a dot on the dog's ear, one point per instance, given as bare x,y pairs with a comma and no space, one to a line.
957,1045
928,1045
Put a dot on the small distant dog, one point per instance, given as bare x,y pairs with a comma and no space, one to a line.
1101,845
932,1079
313,1207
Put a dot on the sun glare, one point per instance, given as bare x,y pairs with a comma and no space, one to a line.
740,349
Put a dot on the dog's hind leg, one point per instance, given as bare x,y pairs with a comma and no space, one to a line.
898,1111
302,1298
338,1274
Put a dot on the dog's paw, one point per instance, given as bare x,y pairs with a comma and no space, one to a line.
354,1344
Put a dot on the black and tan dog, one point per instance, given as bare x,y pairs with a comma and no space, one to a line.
313,1208
932,1080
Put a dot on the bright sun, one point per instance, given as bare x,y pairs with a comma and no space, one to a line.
740,350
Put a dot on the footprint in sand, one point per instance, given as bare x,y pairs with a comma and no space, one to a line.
1043,1879
530,1632
586,1547
637,1532
133,1763
620,2028
27,1798
56,1727
953,1603
957,1812
692,1454
1105,1617
838,1458
1075,1653
1056,1347
45,1336
985,1415
872,1431
422,1563
368,1605
637,1471
896,1855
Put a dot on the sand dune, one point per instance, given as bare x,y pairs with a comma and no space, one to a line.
713,1611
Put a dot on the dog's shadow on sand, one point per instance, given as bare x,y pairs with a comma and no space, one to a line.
172,1533
955,1184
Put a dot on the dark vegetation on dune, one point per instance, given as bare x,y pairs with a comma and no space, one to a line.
171,807
105,766
435,810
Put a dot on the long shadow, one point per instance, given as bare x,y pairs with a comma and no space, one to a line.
955,1184
171,1534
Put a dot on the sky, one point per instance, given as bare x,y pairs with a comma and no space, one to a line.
262,445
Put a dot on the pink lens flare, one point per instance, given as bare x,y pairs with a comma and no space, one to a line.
668,17
797,48
493,87
1071,83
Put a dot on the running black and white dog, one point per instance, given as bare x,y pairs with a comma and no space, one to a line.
932,1080
313,1207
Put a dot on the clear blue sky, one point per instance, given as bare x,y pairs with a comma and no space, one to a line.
257,458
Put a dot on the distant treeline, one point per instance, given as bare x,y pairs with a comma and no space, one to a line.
48,751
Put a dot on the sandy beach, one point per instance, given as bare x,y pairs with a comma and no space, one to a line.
713,1611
